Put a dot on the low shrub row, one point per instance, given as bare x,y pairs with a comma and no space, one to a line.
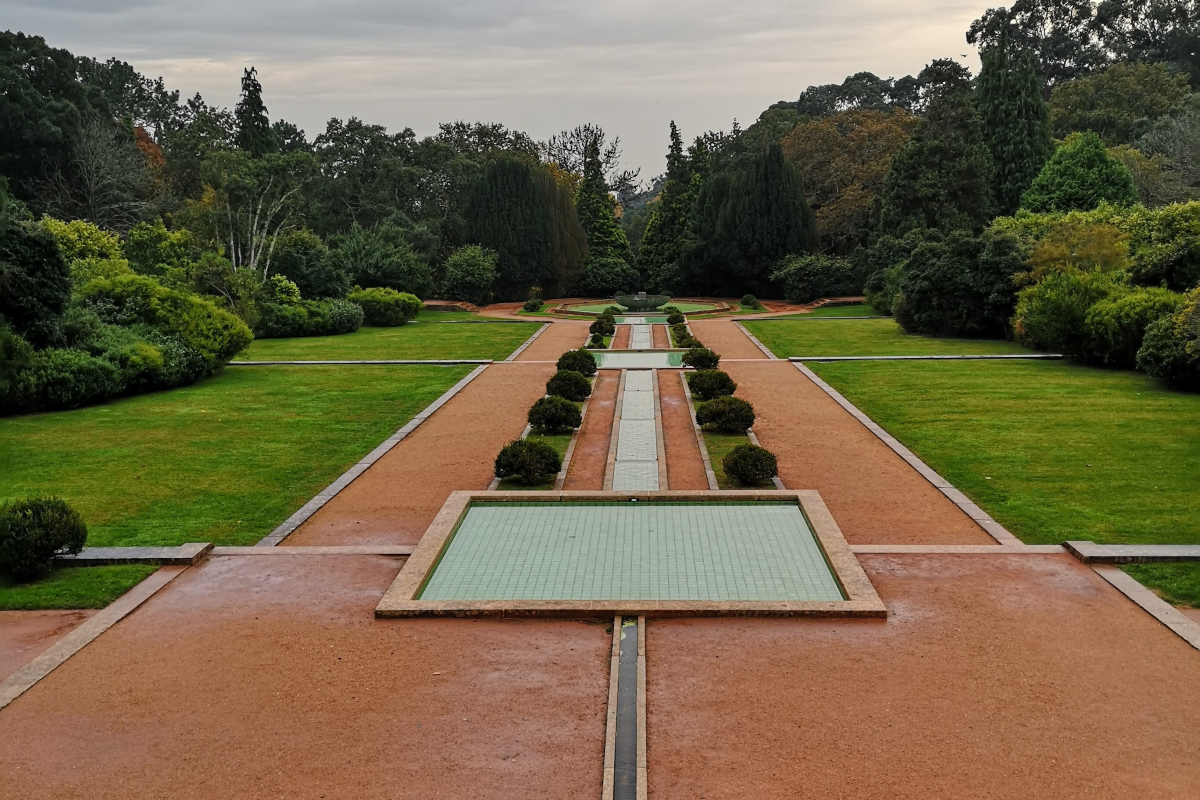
701,358
35,530
385,308
604,325
682,337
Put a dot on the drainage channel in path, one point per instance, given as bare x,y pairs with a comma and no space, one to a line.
639,452
625,745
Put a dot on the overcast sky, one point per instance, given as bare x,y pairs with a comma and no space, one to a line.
535,65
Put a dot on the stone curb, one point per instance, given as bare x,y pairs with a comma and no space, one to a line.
394,362
184,555
527,342
1186,628
977,514
329,492
757,343
1092,553
1009,357
42,665
708,469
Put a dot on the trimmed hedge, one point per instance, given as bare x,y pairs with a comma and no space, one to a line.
726,415
569,384
683,337
385,308
308,318
580,361
701,358
675,318
750,464
1171,348
533,304
709,384
1116,326
605,325
1050,314
554,415
528,461
33,531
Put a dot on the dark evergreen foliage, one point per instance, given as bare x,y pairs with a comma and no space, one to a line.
750,465
254,134
35,285
33,531
666,238
1079,177
506,213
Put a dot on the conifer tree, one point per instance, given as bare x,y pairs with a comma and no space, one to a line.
506,213
596,211
666,237
942,178
568,242
254,134
1016,122
1079,177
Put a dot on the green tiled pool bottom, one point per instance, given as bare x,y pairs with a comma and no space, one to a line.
632,551
628,359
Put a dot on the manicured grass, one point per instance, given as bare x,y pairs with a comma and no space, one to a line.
559,442
544,312
1178,584
73,587
787,337
1053,450
223,461
861,310
417,340
684,308
425,315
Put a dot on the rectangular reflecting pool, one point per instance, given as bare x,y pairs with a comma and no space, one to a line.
629,359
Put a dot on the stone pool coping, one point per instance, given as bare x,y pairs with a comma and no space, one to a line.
400,600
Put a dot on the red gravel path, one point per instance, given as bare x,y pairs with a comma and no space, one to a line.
725,338
556,340
1020,677
685,467
394,501
26,634
660,337
253,677
874,495
590,458
620,340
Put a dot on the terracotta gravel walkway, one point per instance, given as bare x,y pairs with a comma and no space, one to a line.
267,676
394,501
590,458
685,467
1021,677
725,338
874,495
24,635
560,337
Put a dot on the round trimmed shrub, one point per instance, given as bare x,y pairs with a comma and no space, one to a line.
675,318
597,342
569,384
554,415
532,304
725,415
612,311
604,325
750,465
580,361
701,358
709,384
749,301
528,461
1116,326
385,308
33,531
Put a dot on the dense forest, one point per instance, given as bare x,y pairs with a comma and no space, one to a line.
1051,197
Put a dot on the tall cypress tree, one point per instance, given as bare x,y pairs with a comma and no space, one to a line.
942,178
1016,122
666,237
596,211
254,134
568,242
507,214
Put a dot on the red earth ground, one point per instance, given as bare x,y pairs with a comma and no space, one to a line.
26,634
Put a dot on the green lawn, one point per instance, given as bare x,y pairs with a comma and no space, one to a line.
861,310
223,461
425,315
1053,450
1178,584
559,442
869,337
417,340
684,308
73,587
718,446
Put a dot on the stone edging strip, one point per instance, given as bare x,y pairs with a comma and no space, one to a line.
660,440
608,781
1007,357
42,665
757,343
528,342
977,514
708,470
184,555
1187,629
1092,553
643,786
329,492
394,362
611,462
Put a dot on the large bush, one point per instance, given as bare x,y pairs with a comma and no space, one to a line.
701,358
530,461
308,318
725,414
90,251
1050,314
304,259
709,384
605,325
385,308
153,250
805,278
60,378
960,286
1079,176
1116,325
381,256
1171,348
580,361
554,415
569,384
36,283
15,357
606,276
750,465
34,531
214,333
470,273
